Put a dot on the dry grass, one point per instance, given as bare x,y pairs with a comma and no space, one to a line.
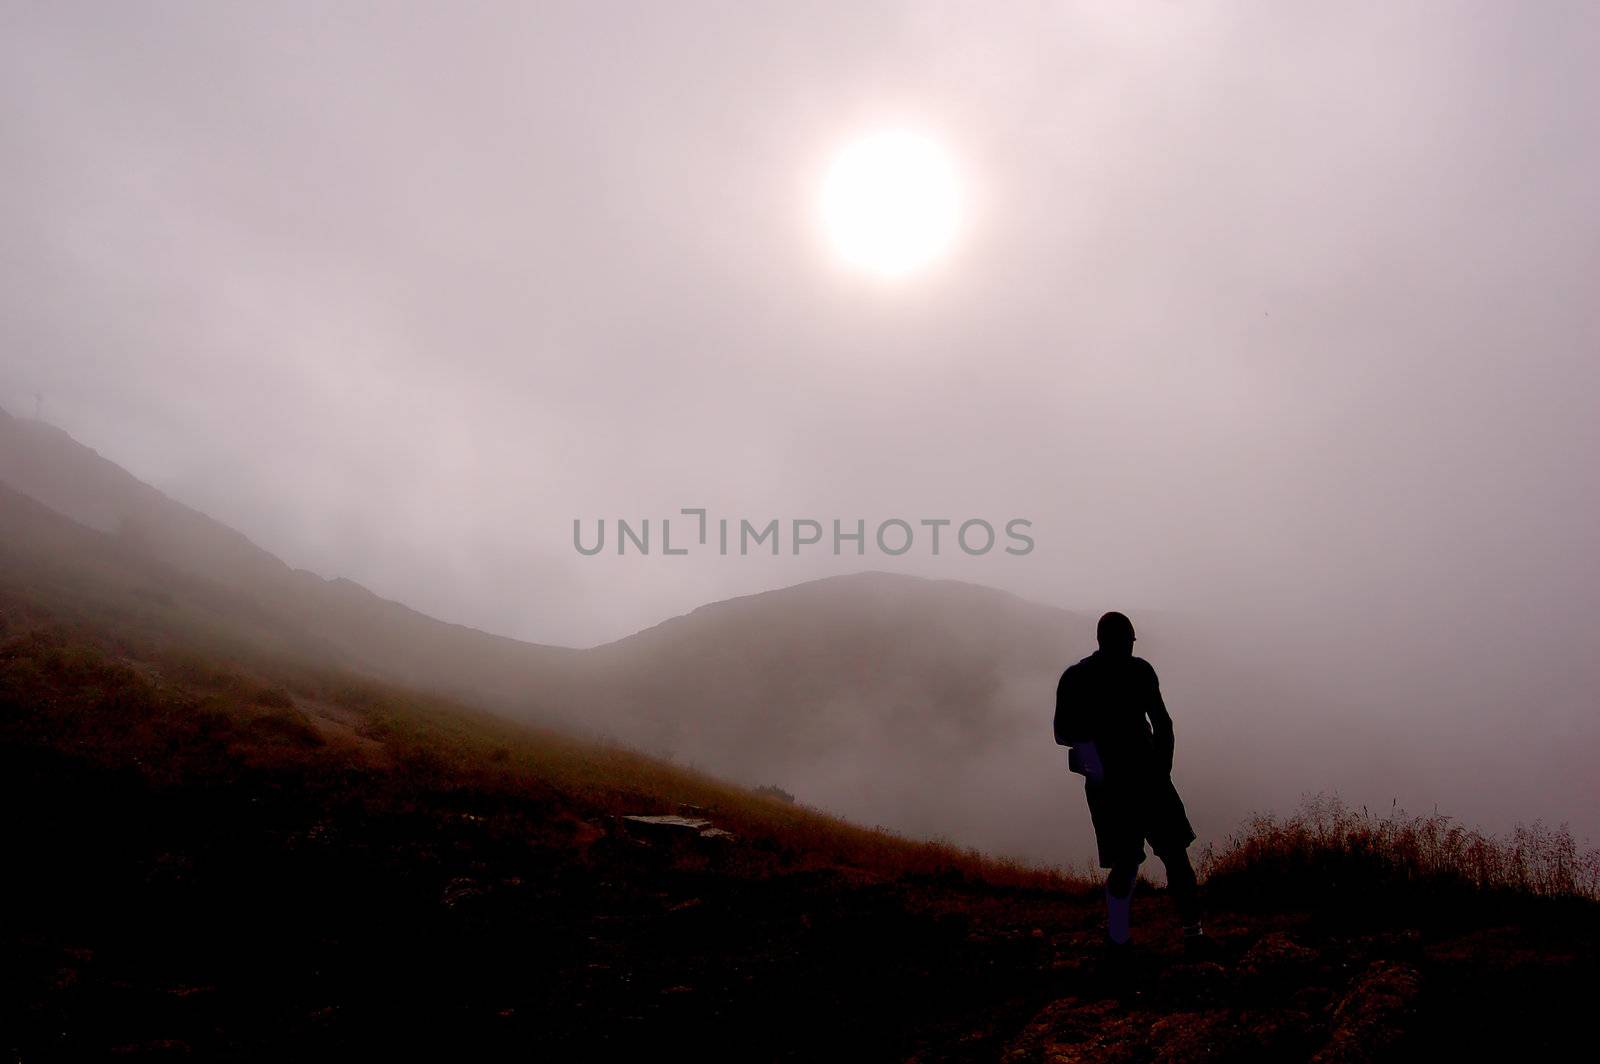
1328,844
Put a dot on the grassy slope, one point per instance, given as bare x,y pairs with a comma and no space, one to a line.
220,841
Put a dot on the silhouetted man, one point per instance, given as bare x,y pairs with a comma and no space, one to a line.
1110,713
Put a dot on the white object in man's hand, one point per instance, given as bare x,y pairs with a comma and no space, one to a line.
1084,759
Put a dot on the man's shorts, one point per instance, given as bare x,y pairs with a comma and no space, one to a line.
1127,814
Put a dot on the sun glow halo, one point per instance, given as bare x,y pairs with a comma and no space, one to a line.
891,203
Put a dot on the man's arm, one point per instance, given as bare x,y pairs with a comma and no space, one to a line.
1072,731
1068,721
1160,723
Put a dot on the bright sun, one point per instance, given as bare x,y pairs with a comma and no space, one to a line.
891,203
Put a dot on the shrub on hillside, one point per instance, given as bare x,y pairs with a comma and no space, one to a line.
1326,845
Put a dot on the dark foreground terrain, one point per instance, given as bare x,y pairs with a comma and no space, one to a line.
206,860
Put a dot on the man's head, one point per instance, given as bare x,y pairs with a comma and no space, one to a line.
1115,633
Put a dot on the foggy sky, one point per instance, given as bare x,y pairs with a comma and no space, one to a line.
1281,316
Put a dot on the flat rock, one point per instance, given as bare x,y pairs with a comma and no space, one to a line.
688,823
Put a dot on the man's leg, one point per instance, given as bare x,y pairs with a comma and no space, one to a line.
1170,835
1119,901
1185,890
1121,849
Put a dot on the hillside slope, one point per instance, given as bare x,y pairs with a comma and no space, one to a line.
384,637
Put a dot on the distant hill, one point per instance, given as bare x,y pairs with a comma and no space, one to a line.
925,705
888,698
